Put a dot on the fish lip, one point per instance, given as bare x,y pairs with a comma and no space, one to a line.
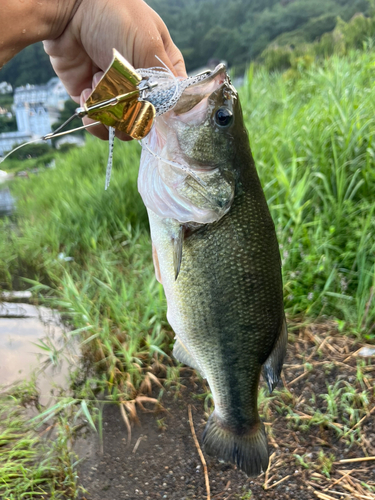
220,68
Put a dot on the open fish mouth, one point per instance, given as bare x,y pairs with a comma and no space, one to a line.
202,89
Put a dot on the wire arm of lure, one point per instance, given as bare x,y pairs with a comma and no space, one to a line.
85,110
55,133
52,135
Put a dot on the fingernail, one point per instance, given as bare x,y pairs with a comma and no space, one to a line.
96,78
84,96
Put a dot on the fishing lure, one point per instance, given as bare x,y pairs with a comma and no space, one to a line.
128,100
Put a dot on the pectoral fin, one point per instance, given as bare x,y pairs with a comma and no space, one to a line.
178,241
273,366
155,258
181,353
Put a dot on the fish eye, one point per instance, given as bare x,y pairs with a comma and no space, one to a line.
223,117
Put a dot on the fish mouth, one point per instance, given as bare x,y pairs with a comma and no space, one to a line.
203,88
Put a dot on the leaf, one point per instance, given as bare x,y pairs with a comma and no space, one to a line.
79,330
157,349
87,414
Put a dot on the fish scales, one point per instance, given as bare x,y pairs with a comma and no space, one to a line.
224,286
226,306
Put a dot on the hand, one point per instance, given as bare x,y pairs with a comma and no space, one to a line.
84,49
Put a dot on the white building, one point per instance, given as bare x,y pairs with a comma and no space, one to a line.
36,108
32,119
50,95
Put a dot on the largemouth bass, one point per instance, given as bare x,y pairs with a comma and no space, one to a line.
216,253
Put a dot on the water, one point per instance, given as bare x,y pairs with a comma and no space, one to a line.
21,327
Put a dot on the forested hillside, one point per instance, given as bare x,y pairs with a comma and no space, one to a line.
239,30
29,66
235,30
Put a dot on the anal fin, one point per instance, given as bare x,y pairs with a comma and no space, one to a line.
182,354
274,364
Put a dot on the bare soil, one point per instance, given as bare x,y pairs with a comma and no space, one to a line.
162,461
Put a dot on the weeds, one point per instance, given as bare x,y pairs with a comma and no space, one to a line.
325,462
30,464
318,180
247,496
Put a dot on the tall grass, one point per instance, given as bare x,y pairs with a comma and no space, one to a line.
92,248
313,142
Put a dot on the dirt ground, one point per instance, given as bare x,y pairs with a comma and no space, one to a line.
162,460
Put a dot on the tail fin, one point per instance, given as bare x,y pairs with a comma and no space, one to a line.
248,451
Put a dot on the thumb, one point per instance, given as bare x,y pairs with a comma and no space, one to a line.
176,59
169,55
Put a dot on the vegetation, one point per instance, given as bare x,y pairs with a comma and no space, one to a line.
6,101
69,109
32,151
325,408
31,65
238,31
318,179
32,466
291,50
7,124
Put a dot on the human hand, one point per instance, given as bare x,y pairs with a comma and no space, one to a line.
84,49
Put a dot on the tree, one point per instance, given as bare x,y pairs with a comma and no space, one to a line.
31,65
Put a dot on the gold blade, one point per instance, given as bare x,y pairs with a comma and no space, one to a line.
128,114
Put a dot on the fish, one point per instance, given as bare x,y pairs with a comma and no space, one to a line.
216,254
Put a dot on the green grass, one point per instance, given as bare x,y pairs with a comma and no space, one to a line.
109,290
33,465
313,142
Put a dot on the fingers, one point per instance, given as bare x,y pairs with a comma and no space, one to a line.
168,52
72,64
100,130
177,60
171,57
